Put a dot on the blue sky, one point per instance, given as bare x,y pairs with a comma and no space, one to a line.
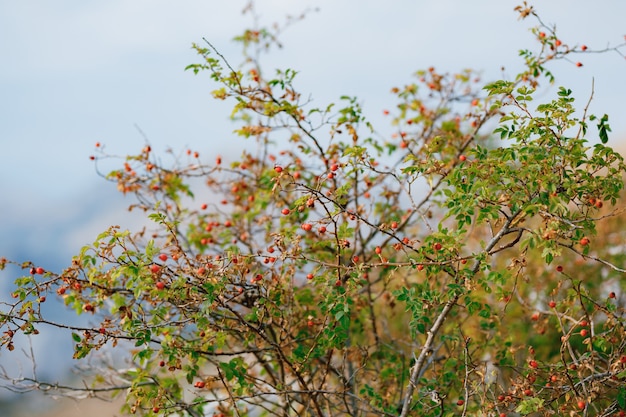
78,72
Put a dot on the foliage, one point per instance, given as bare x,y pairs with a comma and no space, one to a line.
464,265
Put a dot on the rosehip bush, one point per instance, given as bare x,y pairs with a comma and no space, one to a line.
469,263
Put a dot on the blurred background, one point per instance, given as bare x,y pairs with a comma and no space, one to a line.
79,72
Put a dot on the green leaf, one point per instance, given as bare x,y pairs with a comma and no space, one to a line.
621,397
530,405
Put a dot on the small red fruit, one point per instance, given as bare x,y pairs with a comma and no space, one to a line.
528,392
420,267
61,290
155,409
581,405
285,211
533,364
163,257
160,285
622,359
394,225
584,332
199,384
583,48
542,34
334,167
584,323
552,304
579,64
338,283
534,317
39,270
322,229
204,206
278,169
584,241
309,276
460,402
154,268
307,227
462,158
557,42
599,204
437,246
611,294
559,268
42,299
378,250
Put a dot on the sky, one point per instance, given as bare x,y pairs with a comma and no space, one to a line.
79,72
